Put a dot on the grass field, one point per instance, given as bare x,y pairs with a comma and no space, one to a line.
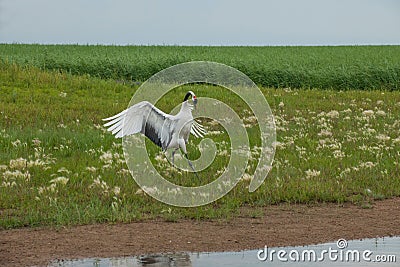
59,166
342,67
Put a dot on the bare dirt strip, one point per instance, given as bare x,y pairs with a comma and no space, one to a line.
281,225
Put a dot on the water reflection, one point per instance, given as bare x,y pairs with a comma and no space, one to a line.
154,260
161,260
378,247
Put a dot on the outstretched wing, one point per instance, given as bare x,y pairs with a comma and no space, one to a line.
197,129
143,118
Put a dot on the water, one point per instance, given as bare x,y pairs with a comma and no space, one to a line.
353,253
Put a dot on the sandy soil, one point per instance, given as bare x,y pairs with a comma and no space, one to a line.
281,225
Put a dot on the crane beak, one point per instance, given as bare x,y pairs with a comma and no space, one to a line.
195,103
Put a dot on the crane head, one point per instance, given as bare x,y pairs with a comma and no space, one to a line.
194,98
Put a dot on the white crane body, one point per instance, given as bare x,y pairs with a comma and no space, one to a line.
165,130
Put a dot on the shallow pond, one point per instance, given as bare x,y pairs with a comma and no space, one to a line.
366,252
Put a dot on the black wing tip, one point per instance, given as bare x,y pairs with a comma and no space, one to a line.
151,133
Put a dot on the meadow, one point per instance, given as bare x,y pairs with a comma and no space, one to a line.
59,166
338,68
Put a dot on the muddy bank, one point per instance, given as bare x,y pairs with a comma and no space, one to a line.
281,225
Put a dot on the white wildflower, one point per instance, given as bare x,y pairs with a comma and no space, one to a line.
123,172
98,126
214,132
64,170
325,132
251,119
281,104
383,137
161,158
150,190
116,145
381,113
114,205
63,94
100,184
169,210
213,123
139,192
60,180
301,150
41,190
223,153
278,145
368,113
52,200
338,154
370,131
333,114
36,142
96,181
106,166
17,174
116,190
19,163
36,162
91,151
219,172
367,165
16,143
91,169
107,157
9,184
247,177
312,173
322,142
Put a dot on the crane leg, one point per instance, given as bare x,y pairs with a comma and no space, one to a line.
173,155
191,165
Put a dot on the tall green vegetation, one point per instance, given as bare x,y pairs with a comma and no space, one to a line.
338,68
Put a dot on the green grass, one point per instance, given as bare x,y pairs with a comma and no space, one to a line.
329,150
342,67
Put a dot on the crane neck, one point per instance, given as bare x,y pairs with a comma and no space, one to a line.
186,107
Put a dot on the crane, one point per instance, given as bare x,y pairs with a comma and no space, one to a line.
165,130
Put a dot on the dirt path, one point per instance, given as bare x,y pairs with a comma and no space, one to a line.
281,225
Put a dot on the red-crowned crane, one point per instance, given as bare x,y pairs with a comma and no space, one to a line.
165,130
